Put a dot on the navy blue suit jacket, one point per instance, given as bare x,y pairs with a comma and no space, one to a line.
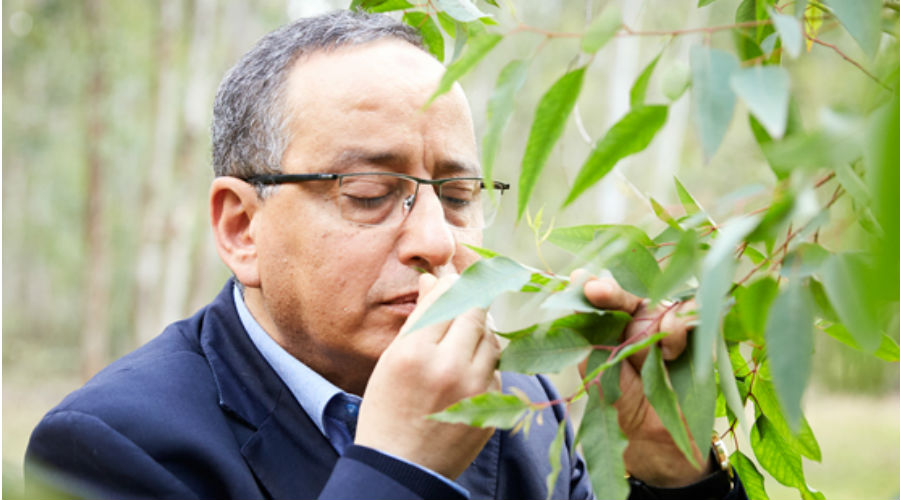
198,413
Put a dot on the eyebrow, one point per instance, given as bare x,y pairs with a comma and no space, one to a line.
387,159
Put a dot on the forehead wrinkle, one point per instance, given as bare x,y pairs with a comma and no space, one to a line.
383,158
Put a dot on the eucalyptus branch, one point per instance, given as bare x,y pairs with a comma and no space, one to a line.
849,60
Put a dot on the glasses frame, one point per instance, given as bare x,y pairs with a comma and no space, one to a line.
275,179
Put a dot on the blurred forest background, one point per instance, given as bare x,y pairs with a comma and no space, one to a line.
106,166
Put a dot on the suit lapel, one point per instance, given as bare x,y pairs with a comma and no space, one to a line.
281,444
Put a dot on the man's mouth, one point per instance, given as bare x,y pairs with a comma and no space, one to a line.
402,304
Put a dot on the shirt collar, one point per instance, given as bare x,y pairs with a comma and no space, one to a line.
310,389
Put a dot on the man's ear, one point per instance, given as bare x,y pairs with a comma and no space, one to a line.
232,206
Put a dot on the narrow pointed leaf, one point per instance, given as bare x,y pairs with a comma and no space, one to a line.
665,402
491,409
632,134
766,91
752,304
431,34
790,31
752,480
664,214
888,350
477,286
549,351
690,205
476,48
639,89
711,94
715,281
675,80
622,354
549,122
602,29
696,396
789,341
843,276
681,267
463,11
554,455
728,382
499,109
855,186
862,19
604,446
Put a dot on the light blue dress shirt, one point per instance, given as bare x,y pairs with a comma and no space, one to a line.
332,410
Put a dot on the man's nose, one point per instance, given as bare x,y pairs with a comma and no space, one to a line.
426,239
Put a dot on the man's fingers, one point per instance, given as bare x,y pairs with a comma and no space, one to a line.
430,288
677,322
605,293
465,334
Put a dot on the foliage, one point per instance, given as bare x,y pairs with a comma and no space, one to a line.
766,281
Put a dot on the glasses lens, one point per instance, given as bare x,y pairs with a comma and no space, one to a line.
468,204
373,199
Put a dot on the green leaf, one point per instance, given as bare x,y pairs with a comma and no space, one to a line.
499,109
790,32
782,462
477,47
376,6
549,351
447,23
696,396
477,286
483,252
781,167
843,276
888,350
602,29
549,121
629,135
717,271
823,305
604,445
639,89
752,304
711,95
789,340
463,11
728,382
431,34
703,3
490,409
665,402
803,440
622,354
680,268
553,455
675,80
664,214
635,269
576,239
804,260
855,186
862,19
778,213
570,298
766,91
750,477
691,207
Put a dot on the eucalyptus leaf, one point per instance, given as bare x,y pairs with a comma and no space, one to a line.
681,267
476,48
631,134
554,455
802,439
711,94
789,343
696,396
728,383
664,214
675,80
549,121
690,205
790,31
499,110
804,260
602,29
776,457
477,286
490,409
639,88
550,349
752,480
844,277
665,402
604,446
862,19
766,91
716,275
463,11
752,304
431,34
888,350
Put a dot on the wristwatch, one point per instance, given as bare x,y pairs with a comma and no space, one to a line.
713,487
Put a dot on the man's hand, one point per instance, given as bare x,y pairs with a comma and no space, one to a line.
651,456
423,372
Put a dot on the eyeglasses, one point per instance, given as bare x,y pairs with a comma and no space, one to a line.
386,198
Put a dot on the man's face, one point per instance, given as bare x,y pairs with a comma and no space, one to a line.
334,293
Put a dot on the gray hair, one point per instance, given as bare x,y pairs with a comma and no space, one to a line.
249,121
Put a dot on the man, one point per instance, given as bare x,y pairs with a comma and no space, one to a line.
342,209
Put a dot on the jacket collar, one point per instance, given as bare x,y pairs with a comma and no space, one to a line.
280,443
